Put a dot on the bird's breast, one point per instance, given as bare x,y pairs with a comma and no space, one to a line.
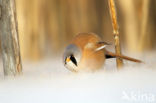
92,60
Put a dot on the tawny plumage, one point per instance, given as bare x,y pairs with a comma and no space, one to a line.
86,52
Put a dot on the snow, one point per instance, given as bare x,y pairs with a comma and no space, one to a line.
48,81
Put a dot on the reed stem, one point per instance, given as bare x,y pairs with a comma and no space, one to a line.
112,9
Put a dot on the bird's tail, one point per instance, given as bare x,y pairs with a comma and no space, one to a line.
113,55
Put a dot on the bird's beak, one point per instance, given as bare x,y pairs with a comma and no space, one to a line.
68,59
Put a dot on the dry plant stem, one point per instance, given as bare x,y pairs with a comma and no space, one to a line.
9,38
143,36
131,23
119,61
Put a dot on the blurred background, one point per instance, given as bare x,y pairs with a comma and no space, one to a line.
46,26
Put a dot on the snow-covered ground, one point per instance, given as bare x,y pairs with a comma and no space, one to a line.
48,81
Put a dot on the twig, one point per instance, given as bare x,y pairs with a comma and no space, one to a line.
112,9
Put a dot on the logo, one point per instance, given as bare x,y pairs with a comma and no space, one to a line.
138,96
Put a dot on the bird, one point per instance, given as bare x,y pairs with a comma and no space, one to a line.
87,52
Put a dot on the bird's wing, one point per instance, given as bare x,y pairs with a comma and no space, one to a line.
101,45
108,54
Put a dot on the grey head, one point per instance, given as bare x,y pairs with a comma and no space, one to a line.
71,57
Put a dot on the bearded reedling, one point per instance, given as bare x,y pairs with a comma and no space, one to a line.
86,52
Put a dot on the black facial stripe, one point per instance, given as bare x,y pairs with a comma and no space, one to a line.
72,58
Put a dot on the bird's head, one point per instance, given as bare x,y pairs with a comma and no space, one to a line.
71,58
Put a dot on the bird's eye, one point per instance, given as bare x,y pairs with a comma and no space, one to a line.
72,58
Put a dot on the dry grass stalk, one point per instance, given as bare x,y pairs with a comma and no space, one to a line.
131,24
145,11
119,61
